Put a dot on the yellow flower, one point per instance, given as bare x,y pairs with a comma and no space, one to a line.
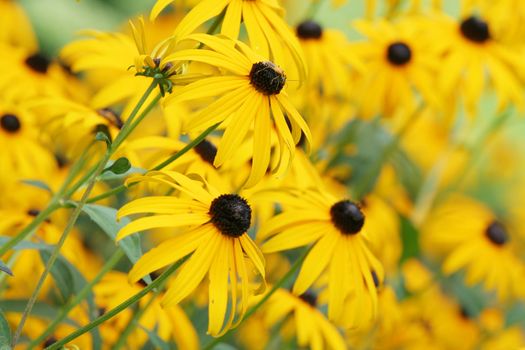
15,28
336,230
251,96
329,58
267,31
216,236
473,59
475,240
312,328
401,67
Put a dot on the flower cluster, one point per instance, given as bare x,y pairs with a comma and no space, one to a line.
221,173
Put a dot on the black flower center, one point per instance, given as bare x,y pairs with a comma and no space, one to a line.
377,283
347,217
49,341
475,29
497,233
33,212
267,78
231,214
10,123
38,63
398,53
309,30
309,298
206,150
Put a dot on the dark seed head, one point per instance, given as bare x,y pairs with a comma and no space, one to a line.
231,214
267,78
309,30
50,341
111,116
206,150
309,298
376,279
38,63
496,233
33,212
10,123
347,217
475,29
398,53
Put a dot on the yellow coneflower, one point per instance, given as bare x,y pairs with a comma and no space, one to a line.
168,323
311,327
267,30
401,66
216,236
473,59
329,58
250,95
22,155
337,230
475,240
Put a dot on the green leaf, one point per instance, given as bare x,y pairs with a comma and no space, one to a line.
25,245
110,176
120,166
106,219
66,280
5,332
70,281
5,268
39,184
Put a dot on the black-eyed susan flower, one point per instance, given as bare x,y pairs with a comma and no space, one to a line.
268,33
310,326
401,68
217,224
22,154
475,240
474,60
329,59
336,229
250,95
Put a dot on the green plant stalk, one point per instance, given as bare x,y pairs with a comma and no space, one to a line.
264,299
56,251
53,205
162,165
125,131
132,324
113,260
113,312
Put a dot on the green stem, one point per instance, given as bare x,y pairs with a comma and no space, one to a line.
124,132
56,250
162,165
113,260
40,218
188,147
113,312
133,322
264,299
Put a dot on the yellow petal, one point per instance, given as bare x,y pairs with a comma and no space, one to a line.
218,287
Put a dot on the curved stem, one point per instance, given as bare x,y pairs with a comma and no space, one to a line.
113,260
264,299
162,165
115,311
